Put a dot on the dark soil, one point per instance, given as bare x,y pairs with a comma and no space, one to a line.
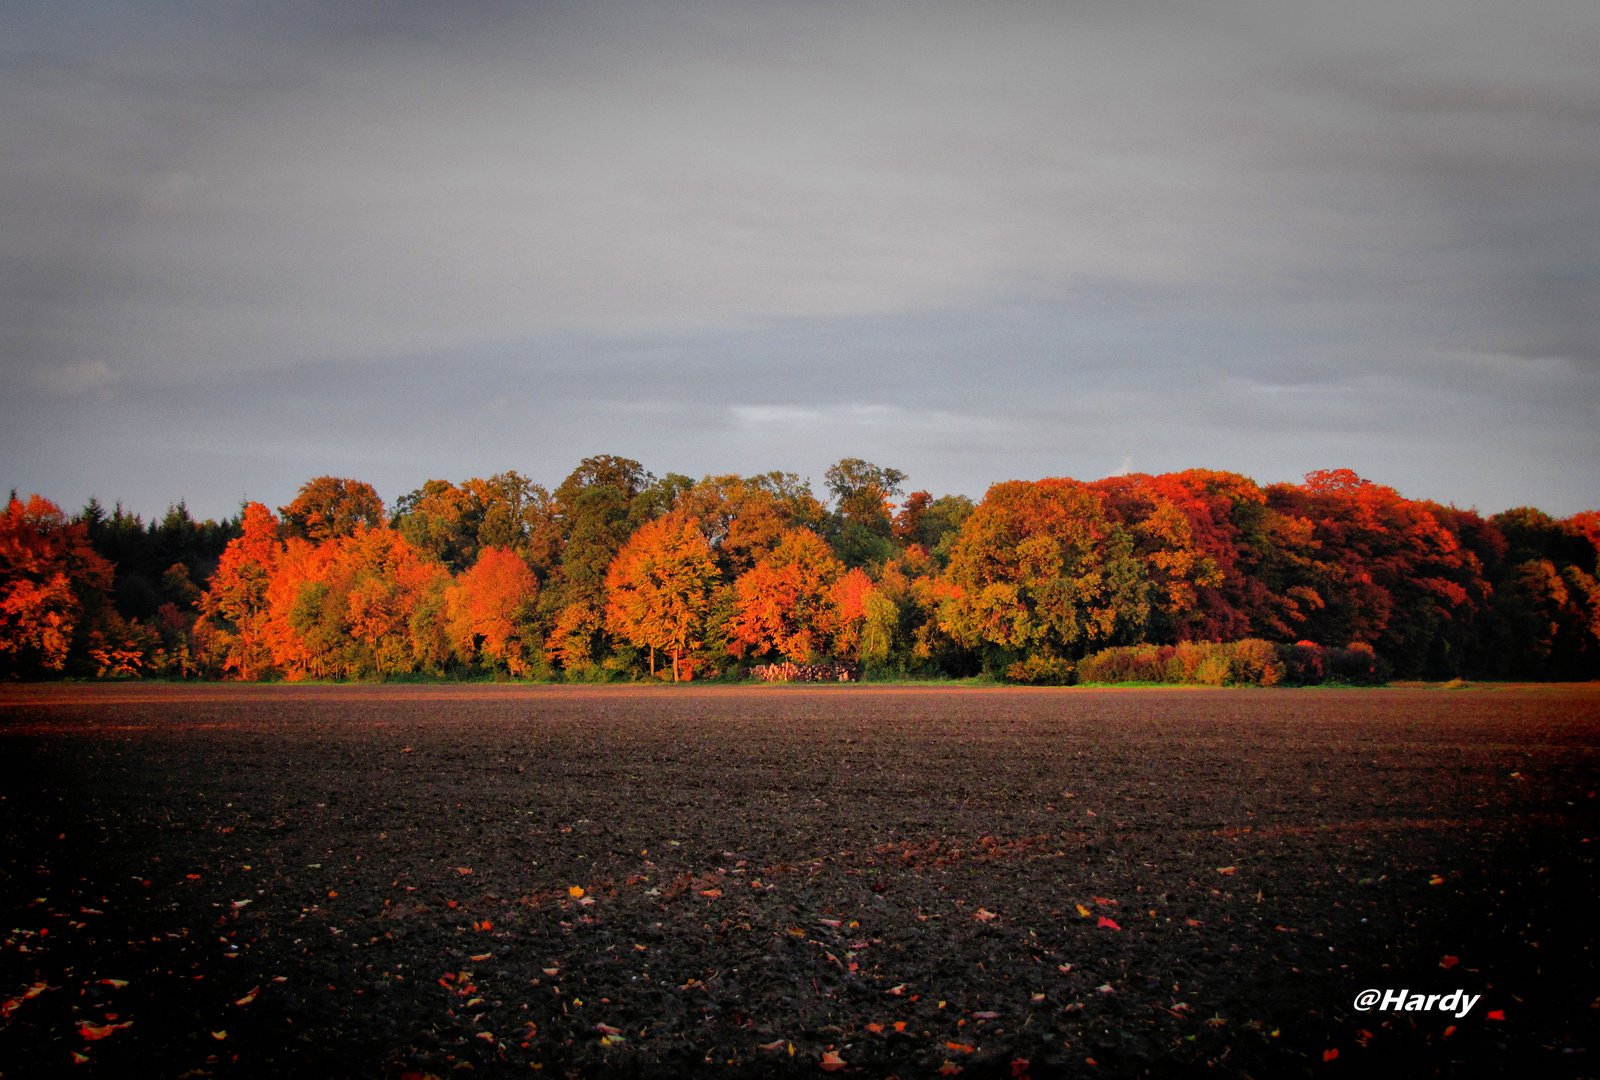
376,882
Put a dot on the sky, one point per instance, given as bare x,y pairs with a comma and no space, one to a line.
249,243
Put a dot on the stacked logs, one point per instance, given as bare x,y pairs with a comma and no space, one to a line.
792,672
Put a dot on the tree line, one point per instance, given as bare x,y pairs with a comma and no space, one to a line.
619,575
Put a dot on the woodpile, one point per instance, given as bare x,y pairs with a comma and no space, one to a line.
792,672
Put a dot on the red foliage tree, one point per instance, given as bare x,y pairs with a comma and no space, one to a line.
49,576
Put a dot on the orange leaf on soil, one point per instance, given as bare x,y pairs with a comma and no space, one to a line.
79,1059
960,1047
897,991
480,958
1085,912
607,1029
832,1062
984,916
1449,962
248,998
1329,1055
899,1025
1108,923
575,891
712,893
950,1068
875,1028
91,1032
1496,1014
1102,901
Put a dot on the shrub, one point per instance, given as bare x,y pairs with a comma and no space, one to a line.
1251,662
1039,670
1128,663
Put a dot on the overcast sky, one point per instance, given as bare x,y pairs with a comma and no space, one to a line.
245,244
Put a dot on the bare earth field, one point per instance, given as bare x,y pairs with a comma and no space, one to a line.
383,881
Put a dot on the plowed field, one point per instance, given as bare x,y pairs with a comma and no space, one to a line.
500,881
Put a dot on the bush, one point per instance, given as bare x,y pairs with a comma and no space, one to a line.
1250,662
1040,671
1128,663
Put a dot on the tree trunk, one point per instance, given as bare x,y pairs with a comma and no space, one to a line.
674,665
652,661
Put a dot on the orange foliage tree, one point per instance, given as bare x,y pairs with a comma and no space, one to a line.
490,608
659,587
232,629
331,506
344,608
785,602
49,575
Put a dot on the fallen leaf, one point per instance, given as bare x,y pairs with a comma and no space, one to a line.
949,1068
1108,924
832,1062
776,1045
607,1029
899,1025
835,923
219,1035
1192,922
248,998
1038,997
1449,962
1105,988
1227,869
712,893
1436,880
984,916
79,1059
463,870
986,1016
1102,900
575,891
897,991
960,1048
91,1032
1495,1014
1448,1031
550,971
1063,968
486,1036
876,1029
1085,912
116,984
1329,1055
481,957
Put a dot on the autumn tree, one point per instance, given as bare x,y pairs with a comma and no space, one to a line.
784,604
1389,571
743,518
330,506
660,586
50,578
491,608
345,608
1043,576
234,608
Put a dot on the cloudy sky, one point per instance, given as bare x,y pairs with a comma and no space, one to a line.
249,243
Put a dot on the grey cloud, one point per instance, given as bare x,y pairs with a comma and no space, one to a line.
1010,238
